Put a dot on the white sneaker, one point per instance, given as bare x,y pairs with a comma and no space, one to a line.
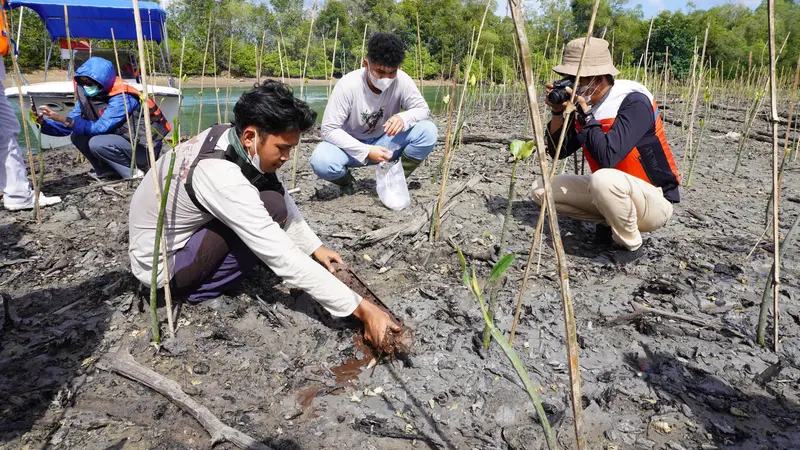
43,201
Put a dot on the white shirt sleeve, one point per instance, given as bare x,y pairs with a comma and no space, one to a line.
336,114
226,194
414,104
298,230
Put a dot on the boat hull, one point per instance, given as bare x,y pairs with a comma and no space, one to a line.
60,97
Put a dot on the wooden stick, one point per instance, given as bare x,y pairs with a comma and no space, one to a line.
202,76
647,49
420,65
517,14
122,363
151,153
230,75
296,158
333,59
447,146
363,44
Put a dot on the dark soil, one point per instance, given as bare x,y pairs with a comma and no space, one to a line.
275,366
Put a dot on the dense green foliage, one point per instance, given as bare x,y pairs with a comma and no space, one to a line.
446,28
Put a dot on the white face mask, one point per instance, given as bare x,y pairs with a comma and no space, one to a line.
255,160
588,91
381,84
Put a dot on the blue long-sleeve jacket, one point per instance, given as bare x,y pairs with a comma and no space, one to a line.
101,71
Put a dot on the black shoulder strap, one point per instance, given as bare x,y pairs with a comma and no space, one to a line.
207,151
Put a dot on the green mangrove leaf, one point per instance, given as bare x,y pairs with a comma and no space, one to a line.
515,146
527,150
500,268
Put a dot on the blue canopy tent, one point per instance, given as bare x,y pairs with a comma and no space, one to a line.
94,19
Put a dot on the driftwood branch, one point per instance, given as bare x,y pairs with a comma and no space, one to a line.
640,310
122,363
472,138
414,226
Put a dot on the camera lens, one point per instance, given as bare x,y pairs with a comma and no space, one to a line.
558,96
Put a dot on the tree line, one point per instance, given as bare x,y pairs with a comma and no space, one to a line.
249,35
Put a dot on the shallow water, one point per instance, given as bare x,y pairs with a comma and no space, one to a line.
316,96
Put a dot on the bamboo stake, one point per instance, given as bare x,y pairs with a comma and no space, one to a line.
457,132
280,59
666,85
690,131
776,280
538,131
159,194
333,59
296,158
230,76
127,112
363,45
419,52
260,59
18,82
216,87
434,230
202,74
647,49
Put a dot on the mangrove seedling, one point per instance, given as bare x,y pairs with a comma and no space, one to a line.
521,150
471,282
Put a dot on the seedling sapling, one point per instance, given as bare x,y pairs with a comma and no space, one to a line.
471,282
521,150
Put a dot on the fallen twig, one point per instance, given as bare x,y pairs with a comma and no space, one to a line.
122,363
699,216
640,309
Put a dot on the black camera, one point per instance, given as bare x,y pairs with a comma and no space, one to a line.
559,93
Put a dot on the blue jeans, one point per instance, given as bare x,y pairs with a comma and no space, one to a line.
330,162
110,153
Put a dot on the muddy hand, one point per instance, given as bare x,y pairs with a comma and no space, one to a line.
376,322
327,257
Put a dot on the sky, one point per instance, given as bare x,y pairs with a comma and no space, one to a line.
653,7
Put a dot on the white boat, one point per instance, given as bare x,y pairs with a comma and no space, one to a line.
94,19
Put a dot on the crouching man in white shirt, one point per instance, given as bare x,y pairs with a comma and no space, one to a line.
226,212
375,114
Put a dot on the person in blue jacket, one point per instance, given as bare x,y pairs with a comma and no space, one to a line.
101,127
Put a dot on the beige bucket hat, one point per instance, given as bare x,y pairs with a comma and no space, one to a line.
596,62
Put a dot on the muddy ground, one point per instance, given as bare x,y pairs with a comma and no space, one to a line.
278,367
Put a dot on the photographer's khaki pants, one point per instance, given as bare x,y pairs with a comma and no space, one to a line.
627,204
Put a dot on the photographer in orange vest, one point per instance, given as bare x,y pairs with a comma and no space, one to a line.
17,192
105,118
634,180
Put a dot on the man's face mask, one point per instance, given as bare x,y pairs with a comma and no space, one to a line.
255,160
379,83
91,91
588,90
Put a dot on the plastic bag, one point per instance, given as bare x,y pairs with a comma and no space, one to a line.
391,185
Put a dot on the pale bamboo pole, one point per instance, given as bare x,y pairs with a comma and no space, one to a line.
296,158
363,46
230,75
458,123
151,153
666,84
280,60
517,14
260,60
18,82
216,86
420,65
127,111
203,73
690,130
776,280
325,60
647,49
333,59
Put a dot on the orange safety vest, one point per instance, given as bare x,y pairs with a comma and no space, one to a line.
606,114
93,108
4,39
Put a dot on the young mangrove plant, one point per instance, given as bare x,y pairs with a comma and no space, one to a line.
471,282
521,151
